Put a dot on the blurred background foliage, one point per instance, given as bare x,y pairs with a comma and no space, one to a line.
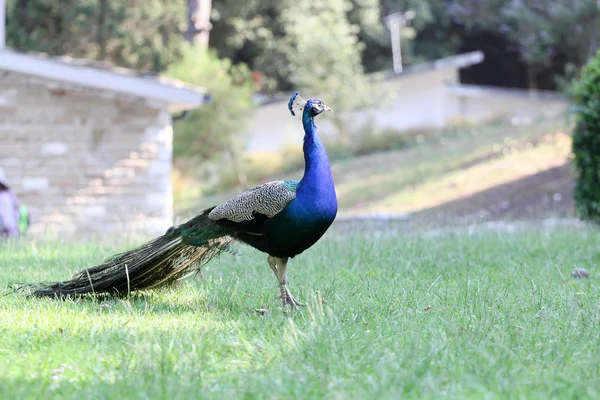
538,38
259,48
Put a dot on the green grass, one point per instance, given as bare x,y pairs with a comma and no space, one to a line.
487,315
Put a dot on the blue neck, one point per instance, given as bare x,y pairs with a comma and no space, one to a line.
317,171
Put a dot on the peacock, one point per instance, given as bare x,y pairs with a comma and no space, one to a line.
281,218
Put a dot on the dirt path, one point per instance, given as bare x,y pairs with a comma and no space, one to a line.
545,194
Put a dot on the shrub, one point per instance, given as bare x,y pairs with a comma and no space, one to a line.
217,128
586,141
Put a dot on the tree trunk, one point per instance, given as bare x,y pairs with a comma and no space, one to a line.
101,33
198,19
532,72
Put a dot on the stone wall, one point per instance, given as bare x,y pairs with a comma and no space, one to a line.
85,161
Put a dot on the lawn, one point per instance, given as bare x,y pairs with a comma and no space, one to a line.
480,315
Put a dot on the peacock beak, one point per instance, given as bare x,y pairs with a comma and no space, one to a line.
327,108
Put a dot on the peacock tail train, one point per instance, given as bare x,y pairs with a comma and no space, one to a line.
178,253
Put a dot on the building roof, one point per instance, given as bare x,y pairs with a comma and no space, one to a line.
104,76
457,61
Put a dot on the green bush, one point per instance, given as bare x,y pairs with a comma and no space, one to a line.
586,141
218,127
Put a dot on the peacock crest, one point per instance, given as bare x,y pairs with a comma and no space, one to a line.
296,103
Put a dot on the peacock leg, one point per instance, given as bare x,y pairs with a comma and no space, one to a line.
278,266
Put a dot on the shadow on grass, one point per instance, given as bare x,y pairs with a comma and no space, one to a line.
178,299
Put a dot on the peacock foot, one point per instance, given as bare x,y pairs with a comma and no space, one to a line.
278,266
287,298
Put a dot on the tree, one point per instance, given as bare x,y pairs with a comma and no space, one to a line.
430,34
477,13
586,141
543,32
253,32
546,29
366,16
256,32
217,127
121,32
198,21
327,60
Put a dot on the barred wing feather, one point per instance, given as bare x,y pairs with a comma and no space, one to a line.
267,199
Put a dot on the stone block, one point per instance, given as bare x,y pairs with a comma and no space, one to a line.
35,183
55,148
94,211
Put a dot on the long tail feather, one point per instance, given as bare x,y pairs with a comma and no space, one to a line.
179,252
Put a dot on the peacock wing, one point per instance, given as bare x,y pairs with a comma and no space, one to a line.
249,210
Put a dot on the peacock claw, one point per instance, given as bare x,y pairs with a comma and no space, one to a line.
287,298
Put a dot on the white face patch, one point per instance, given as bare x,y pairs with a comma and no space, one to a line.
319,107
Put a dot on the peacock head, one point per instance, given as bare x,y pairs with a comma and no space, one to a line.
315,106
